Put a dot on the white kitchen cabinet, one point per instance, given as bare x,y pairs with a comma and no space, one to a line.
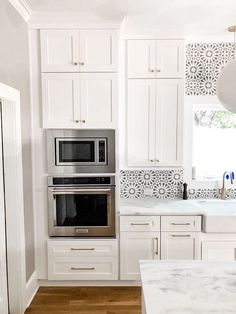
79,50
135,246
155,58
154,126
219,250
79,100
180,245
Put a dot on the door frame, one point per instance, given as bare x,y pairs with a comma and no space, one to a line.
15,230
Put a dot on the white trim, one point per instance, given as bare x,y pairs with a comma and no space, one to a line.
31,289
15,208
90,283
22,8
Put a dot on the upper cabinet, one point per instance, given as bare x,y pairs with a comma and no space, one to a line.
79,100
155,58
79,50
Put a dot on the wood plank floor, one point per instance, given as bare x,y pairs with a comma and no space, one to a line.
86,300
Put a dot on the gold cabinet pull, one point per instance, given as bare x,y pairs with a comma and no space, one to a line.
139,224
157,247
181,224
82,249
181,235
82,268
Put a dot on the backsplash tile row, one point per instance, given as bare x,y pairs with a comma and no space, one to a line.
161,184
204,62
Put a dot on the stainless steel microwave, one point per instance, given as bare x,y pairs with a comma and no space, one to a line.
80,151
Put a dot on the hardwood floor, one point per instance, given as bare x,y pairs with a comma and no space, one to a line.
86,300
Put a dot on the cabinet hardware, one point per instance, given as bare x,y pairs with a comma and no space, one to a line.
83,121
139,224
181,235
82,268
157,248
75,63
76,121
158,70
151,70
157,160
82,249
81,63
181,224
151,160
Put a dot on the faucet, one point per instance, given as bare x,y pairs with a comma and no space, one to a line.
223,190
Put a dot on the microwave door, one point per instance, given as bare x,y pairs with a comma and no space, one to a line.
71,152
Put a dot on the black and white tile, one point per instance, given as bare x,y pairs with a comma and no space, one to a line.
204,62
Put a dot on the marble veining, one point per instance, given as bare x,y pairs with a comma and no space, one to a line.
177,207
188,287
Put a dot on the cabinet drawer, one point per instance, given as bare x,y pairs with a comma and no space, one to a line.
181,223
83,268
78,248
139,223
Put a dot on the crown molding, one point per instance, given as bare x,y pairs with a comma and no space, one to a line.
22,8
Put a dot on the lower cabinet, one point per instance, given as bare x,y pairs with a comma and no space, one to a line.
219,250
180,245
135,246
82,259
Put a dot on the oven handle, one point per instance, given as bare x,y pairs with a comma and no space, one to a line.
79,190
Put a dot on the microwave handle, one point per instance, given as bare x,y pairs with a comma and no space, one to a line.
79,190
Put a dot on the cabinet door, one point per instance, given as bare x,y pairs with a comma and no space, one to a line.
98,51
219,251
141,59
141,122
135,246
98,100
169,59
180,245
60,50
61,100
169,122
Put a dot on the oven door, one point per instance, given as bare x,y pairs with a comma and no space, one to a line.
82,212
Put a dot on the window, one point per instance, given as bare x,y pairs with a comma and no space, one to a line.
214,142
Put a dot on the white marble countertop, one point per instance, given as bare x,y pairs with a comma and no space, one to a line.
188,287
152,206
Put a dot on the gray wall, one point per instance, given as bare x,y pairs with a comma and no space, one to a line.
14,71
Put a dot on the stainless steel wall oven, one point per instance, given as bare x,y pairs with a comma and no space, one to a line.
81,206
81,151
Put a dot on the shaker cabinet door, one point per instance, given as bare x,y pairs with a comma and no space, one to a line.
59,50
61,100
169,112
141,122
180,245
141,59
219,251
169,58
135,246
98,51
98,100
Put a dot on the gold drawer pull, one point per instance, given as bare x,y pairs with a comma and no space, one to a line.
181,235
140,224
181,224
82,249
82,268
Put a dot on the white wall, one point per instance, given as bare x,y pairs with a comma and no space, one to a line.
14,71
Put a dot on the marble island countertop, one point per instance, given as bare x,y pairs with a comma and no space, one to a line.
188,287
152,206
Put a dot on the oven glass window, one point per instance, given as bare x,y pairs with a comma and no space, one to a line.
81,210
76,151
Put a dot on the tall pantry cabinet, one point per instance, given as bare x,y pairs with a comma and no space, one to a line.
155,96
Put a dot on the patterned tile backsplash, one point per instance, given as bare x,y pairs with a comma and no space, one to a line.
162,184
204,62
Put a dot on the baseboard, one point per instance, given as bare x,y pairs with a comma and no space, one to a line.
89,283
32,286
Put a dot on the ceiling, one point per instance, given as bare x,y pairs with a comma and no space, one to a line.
187,17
